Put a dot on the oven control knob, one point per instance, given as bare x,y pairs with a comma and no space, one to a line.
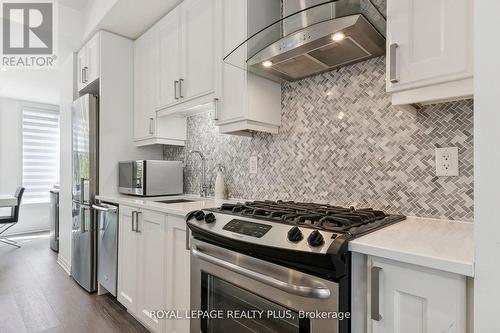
210,218
295,235
199,215
315,238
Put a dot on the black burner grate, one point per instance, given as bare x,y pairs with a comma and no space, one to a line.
319,216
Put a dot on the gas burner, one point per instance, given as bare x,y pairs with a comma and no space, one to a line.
318,216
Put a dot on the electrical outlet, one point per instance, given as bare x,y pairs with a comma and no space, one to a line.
253,163
447,162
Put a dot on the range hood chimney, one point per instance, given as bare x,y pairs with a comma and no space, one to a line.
313,36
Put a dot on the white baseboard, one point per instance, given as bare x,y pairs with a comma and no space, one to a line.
64,264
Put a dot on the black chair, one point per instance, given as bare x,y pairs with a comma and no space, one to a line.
7,222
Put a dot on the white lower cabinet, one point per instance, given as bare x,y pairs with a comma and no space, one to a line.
127,259
178,280
405,298
153,267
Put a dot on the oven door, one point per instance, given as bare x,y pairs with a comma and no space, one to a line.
228,281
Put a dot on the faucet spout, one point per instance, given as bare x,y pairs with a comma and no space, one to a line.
203,185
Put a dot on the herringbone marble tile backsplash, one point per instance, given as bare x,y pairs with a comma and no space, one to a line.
342,142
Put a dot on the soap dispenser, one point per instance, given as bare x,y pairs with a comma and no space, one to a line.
219,183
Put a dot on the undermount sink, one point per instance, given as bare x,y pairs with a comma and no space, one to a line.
174,201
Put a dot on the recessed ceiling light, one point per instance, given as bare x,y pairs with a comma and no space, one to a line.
267,63
338,36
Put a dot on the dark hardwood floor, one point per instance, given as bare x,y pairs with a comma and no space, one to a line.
36,295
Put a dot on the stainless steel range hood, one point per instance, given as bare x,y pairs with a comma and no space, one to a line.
312,37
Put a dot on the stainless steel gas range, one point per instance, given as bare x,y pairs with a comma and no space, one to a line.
275,266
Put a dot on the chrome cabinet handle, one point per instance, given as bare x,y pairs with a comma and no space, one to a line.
393,75
188,238
299,290
176,83
133,219
375,294
151,126
181,81
82,75
216,109
137,214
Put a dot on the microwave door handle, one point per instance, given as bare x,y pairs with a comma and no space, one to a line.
299,290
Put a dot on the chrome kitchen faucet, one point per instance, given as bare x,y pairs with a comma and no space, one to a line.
203,185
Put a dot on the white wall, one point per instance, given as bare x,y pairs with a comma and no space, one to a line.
42,85
67,89
486,166
33,217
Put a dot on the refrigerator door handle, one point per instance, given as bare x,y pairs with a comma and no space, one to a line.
105,209
82,220
82,190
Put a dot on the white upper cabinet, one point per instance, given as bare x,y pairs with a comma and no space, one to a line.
429,50
405,298
249,103
169,59
199,50
144,86
89,62
150,129
189,56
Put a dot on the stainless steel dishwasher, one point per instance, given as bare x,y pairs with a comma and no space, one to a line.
107,246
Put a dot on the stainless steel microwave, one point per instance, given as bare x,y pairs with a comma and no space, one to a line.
151,178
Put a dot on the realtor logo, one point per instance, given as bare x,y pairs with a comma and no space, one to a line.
28,29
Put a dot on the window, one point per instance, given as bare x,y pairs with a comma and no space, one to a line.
40,153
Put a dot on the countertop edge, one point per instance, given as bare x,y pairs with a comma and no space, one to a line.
442,264
438,263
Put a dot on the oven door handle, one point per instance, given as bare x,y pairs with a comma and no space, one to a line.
304,291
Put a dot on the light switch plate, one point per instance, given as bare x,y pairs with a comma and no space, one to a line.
253,163
447,162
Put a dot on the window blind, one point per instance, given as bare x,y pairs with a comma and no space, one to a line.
40,153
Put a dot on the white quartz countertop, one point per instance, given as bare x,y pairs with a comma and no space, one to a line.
171,208
440,244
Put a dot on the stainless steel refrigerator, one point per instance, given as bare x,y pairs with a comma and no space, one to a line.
85,182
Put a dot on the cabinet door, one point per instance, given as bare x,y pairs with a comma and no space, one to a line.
81,67
152,264
434,39
234,101
93,54
198,22
178,261
414,299
127,260
169,59
145,50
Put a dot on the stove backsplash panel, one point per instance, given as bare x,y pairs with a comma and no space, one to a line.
342,142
